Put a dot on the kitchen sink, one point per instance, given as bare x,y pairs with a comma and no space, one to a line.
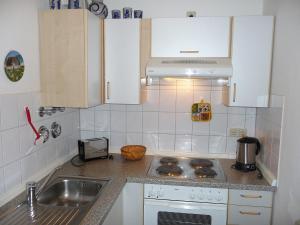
64,200
71,191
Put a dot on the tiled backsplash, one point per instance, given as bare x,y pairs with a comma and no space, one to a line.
163,122
20,159
268,130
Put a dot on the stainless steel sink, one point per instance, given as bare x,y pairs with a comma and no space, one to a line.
64,200
71,191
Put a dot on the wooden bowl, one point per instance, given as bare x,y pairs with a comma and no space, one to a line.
133,152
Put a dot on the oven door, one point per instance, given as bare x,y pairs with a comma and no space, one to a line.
163,212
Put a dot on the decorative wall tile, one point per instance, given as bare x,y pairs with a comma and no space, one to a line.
183,123
268,130
26,140
151,103
201,128
118,121
163,122
150,122
1,182
216,102
134,122
218,124
200,144
12,175
10,145
102,120
87,119
118,107
167,100
166,142
1,152
19,157
9,111
29,166
183,143
117,140
166,123
183,99
151,141
217,144
134,139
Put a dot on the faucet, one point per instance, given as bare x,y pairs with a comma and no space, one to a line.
33,191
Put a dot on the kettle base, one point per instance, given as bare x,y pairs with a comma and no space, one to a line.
244,167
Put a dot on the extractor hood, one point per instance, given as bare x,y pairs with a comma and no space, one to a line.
190,67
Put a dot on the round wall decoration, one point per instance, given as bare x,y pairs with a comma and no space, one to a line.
14,66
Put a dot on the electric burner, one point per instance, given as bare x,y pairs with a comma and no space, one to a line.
168,161
186,168
169,170
205,173
201,163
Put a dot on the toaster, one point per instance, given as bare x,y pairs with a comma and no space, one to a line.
95,148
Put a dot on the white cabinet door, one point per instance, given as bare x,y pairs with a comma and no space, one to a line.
122,61
191,37
251,60
133,200
115,215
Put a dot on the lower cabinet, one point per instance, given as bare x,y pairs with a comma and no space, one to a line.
128,208
247,207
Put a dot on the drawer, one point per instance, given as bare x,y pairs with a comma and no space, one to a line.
250,198
248,215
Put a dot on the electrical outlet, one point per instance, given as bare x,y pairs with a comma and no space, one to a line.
237,132
191,14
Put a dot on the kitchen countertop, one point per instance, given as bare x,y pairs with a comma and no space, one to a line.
120,171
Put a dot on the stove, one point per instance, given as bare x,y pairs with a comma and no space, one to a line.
173,204
187,168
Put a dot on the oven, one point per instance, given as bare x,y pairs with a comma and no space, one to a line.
183,205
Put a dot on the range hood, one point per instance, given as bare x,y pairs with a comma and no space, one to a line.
190,67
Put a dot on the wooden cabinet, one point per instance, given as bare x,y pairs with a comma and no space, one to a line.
71,58
191,37
129,207
122,61
247,207
252,44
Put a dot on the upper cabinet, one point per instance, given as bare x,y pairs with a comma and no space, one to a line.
71,58
252,44
191,37
122,61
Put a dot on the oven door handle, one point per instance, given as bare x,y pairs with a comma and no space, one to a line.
185,205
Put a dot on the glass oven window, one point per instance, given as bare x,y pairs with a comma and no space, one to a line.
175,218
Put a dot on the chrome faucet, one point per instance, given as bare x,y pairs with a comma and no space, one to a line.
33,191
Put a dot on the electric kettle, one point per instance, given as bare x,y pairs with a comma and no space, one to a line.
247,149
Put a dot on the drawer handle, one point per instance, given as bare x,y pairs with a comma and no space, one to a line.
186,51
250,213
250,196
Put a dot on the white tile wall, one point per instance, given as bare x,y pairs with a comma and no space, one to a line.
20,159
268,130
163,122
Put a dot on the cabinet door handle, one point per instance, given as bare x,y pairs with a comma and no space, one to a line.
189,51
107,89
234,92
250,196
250,213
